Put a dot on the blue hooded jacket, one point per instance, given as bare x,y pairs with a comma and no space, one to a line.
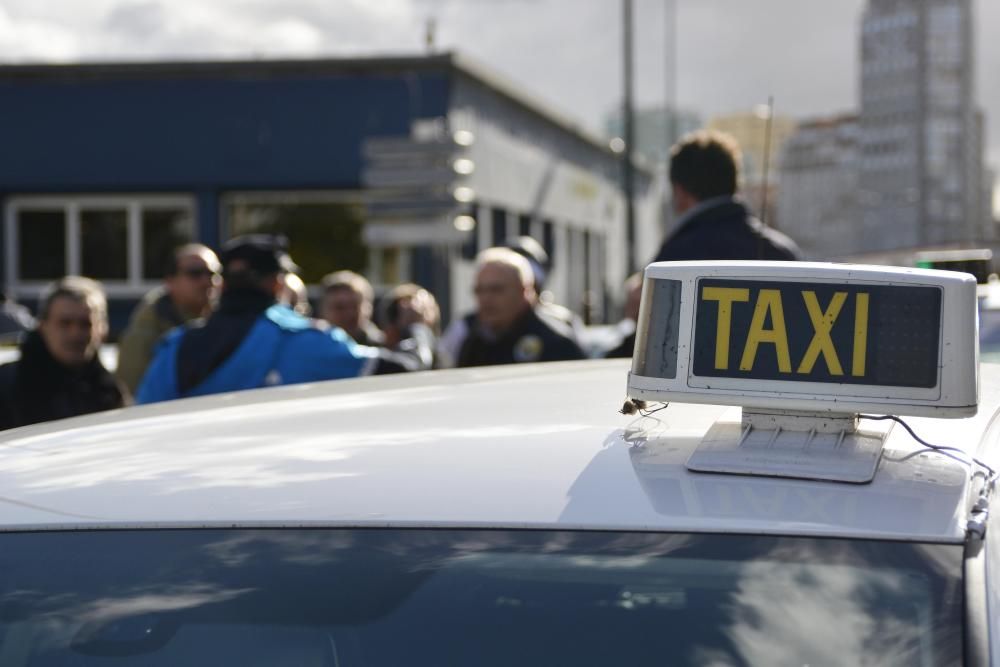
282,347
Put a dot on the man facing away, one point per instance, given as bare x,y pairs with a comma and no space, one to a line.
186,294
59,373
507,327
714,223
252,340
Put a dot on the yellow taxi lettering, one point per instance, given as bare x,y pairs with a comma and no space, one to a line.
725,296
768,302
860,334
822,323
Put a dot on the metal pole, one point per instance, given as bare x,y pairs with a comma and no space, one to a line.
670,85
627,166
767,159
765,177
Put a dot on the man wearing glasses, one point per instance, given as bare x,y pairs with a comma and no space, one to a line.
508,326
188,290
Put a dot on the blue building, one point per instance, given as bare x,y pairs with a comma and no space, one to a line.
400,168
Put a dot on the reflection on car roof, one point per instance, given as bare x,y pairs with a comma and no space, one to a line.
532,446
538,446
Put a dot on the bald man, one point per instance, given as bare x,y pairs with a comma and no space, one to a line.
507,327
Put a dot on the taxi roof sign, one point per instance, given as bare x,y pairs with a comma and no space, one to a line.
808,336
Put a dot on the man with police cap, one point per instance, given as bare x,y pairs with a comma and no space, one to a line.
568,322
252,340
507,327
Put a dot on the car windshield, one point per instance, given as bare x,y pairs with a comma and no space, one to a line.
462,597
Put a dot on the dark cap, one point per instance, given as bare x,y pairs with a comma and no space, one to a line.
265,254
532,250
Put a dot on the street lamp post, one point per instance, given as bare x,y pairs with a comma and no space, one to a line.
628,175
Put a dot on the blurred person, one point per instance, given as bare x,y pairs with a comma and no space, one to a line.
15,319
347,303
187,293
627,325
401,307
713,222
540,264
295,295
59,373
253,341
506,327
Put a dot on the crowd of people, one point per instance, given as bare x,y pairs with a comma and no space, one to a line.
241,319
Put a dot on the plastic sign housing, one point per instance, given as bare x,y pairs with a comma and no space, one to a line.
808,336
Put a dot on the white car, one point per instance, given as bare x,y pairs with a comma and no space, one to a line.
498,516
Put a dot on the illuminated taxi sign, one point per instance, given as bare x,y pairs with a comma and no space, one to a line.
801,336
816,332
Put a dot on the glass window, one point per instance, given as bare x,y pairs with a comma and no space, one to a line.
323,236
461,597
576,270
104,243
392,270
103,247
499,219
471,246
41,252
549,241
524,225
163,230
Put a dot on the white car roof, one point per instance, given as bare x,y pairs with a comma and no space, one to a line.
532,446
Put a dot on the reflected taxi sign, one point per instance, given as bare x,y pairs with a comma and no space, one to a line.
808,336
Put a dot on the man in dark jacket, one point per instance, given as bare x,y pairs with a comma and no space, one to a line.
59,373
191,280
507,327
714,223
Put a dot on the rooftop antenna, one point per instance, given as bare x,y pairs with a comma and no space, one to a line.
768,120
429,30
670,84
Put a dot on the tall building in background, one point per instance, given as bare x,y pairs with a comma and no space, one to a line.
984,188
989,196
818,200
750,131
921,166
656,130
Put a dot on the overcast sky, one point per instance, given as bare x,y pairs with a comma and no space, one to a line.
732,54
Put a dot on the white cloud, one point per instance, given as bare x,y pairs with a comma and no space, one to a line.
25,39
296,36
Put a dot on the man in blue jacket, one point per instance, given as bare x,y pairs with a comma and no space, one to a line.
253,341
714,223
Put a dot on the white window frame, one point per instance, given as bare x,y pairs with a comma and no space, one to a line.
133,204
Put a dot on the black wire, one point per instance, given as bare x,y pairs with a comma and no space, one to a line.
946,451
646,413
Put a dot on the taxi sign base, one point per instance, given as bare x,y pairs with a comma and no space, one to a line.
797,445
